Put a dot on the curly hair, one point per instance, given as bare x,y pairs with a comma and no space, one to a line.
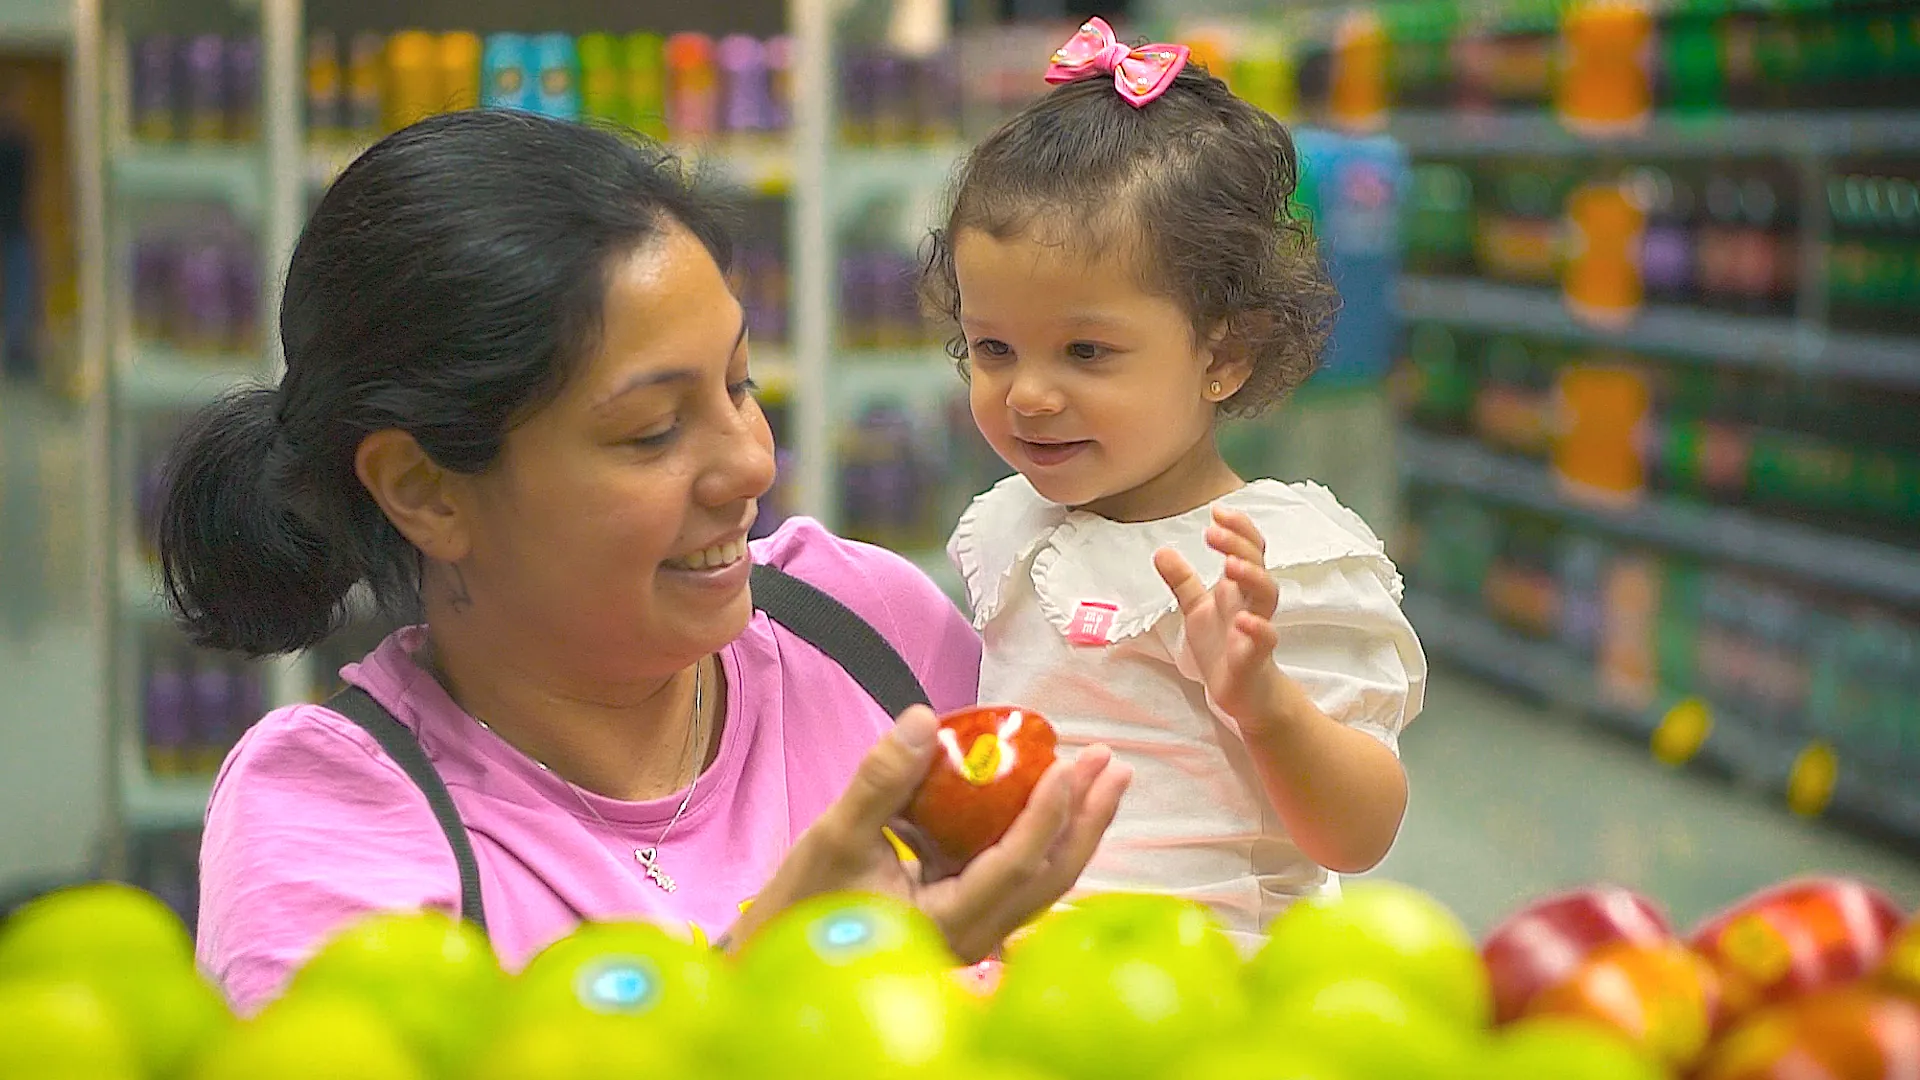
1199,181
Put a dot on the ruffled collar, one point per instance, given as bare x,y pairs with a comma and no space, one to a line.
1080,557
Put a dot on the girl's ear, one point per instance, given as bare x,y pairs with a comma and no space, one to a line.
1229,362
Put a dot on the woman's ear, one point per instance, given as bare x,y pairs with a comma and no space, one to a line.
418,496
1229,364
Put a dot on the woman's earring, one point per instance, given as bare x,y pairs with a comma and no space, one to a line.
1213,388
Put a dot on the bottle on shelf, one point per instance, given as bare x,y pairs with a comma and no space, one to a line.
693,87
1666,196
507,72
167,718
556,70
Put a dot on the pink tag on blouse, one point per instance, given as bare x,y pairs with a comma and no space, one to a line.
1092,623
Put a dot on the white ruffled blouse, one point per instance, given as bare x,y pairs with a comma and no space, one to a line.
1079,626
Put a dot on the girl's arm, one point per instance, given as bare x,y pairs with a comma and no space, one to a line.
1339,790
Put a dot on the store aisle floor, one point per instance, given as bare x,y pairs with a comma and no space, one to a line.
1512,801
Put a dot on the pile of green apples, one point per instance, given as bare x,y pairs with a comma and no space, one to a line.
1381,983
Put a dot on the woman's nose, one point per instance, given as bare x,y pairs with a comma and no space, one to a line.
740,462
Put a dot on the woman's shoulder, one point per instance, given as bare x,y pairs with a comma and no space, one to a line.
311,755
893,594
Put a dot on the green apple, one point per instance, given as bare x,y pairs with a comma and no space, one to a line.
93,927
848,931
661,988
1369,1028
1118,986
1566,1050
580,1046
1385,931
52,1029
1243,1062
433,977
850,985
316,1037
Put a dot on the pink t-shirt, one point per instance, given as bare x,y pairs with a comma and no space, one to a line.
311,825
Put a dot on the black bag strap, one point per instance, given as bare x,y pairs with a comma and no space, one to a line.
844,637
403,747
813,616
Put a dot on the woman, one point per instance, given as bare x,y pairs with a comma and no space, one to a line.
517,396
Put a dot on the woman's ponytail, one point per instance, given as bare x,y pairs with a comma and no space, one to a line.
242,570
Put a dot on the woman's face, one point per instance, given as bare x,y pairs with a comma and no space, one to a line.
611,534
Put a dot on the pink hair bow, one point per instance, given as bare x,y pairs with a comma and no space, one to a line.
1139,74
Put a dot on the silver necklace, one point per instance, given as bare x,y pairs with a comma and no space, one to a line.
649,857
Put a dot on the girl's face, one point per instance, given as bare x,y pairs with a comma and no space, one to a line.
1094,389
614,524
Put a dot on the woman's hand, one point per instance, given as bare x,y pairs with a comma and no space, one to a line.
1022,875
1230,626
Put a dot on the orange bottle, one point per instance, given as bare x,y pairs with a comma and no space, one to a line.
1606,82
1597,451
413,79
458,57
1602,279
1358,98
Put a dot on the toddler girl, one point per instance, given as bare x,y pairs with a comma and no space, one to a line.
1125,271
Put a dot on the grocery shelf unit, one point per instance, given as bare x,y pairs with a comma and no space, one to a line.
267,183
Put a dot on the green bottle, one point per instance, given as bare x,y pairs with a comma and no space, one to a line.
645,68
602,97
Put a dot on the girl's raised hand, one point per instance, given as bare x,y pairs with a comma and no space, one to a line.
1230,628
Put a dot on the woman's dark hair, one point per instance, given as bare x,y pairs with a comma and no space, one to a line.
1198,182
447,285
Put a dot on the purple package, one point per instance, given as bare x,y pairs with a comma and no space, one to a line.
773,301
243,89
854,320
856,98
206,88
203,296
166,719
155,102
743,84
937,97
779,83
892,103
147,504
153,264
249,700
211,692
894,479
243,295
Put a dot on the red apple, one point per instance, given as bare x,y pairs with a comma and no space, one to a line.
1544,943
1852,1032
989,760
1797,937
1663,998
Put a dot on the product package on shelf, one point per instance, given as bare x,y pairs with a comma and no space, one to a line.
1789,447
1873,252
196,282
199,88
685,87
194,705
1603,67
1781,661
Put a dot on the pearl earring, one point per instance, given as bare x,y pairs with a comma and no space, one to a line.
1213,388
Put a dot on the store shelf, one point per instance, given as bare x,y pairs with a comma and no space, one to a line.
1845,562
761,166
857,169
41,26
162,378
1734,340
160,803
1759,758
921,376
1770,134
231,174
140,594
